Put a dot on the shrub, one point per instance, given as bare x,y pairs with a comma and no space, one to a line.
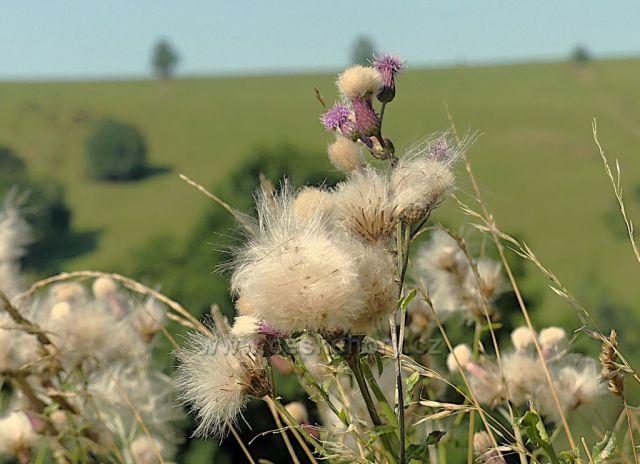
116,151
44,208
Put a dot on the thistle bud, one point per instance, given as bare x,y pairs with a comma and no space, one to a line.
388,66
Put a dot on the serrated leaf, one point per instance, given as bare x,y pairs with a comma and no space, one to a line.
604,448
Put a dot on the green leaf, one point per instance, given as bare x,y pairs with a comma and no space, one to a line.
343,416
419,452
404,302
411,382
605,448
379,364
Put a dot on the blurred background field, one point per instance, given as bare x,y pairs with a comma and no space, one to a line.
534,155
242,102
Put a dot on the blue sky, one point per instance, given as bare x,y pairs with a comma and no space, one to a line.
42,39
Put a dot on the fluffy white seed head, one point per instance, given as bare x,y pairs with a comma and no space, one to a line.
60,421
147,450
524,376
17,348
245,326
104,287
364,204
358,81
68,291
490,275
463,354
298,411
522,337
419,185
15,235
485,449
312,204
94,334
148,318
216,376
15,232
551,337
299,275
60,311
345,154
577,378
444,268
243,307
379,284
420,312
16,433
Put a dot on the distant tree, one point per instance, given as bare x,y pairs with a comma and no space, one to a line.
164,60
116,151
580,54
362,51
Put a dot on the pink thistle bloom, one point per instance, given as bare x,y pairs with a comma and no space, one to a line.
388,66
337,118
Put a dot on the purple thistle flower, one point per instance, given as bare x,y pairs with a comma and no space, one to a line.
388,66
439,151
367,120
268,330
337,117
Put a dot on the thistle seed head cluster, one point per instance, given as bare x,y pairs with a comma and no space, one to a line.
523,379
216,376
456,283
81,363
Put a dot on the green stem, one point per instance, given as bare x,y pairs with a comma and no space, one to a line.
353,361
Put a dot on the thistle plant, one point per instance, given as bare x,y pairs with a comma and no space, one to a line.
329,280
388,322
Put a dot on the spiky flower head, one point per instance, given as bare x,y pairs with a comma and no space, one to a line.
367,120
216,376
299,274
419,185
388,66
339,117
345,154
364,204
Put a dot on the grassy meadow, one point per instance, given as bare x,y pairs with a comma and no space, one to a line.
535,157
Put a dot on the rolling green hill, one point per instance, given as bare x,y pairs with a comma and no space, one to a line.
535,157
